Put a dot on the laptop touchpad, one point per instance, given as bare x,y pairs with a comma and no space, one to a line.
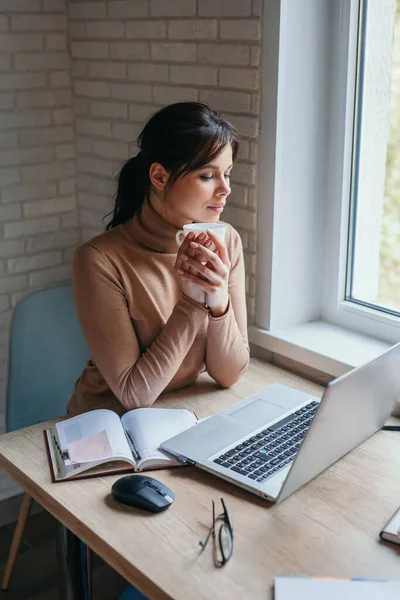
258,412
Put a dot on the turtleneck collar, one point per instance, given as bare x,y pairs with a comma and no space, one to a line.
150,230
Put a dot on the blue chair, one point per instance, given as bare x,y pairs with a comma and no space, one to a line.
132,593
47,355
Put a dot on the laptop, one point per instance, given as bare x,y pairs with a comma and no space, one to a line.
278,439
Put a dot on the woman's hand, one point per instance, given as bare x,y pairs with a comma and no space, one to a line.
211,277
190,288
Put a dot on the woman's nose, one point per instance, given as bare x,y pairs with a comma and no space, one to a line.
224,187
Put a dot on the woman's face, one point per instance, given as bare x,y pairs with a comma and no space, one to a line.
200,196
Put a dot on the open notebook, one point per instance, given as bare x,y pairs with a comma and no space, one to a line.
100,442
315,588
391,531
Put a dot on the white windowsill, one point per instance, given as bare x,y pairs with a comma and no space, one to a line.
320,345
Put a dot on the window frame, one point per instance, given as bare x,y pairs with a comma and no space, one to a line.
335,308
301,279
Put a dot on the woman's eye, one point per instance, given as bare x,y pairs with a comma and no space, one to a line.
208,177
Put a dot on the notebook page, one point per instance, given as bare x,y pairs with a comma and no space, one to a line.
90,448
149,427
309,588
393,526
89,424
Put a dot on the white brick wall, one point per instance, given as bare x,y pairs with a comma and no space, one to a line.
78,80
38,208
131,57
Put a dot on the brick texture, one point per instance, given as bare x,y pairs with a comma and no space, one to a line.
78,80
131,58
37,185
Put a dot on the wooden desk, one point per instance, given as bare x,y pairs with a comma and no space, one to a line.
330,527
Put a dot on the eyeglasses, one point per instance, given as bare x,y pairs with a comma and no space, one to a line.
223,544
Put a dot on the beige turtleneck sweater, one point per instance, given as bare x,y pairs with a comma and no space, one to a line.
144,335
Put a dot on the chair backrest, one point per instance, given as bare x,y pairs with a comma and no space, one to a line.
47,354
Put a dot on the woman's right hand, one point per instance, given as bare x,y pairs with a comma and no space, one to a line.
191,289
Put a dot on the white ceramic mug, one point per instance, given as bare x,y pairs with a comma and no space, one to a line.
218,228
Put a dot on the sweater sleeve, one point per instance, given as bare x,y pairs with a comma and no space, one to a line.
228,354
135,378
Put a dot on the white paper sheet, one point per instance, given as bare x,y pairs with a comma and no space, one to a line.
149,428
308,588
88,424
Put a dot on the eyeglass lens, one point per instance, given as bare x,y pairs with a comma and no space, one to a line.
225,544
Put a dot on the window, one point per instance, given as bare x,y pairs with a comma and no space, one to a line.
328,263
360,291
373,254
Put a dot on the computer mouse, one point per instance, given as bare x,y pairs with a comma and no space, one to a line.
143,492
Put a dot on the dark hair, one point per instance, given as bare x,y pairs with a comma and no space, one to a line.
182,137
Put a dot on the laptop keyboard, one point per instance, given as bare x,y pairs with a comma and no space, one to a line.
270,450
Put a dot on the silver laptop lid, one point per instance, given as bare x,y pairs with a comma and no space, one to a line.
353,407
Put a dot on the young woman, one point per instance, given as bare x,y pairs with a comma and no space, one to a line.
155,315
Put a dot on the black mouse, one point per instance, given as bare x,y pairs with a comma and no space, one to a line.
143,492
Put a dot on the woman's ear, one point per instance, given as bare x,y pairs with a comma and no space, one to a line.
158,176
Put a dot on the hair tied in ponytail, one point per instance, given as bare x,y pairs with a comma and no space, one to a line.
133,186
183,138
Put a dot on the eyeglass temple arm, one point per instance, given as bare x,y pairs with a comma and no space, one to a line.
226,515
204,544
212,529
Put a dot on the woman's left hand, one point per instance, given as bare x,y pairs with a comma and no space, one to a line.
213,276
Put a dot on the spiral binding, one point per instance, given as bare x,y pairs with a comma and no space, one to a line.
64,455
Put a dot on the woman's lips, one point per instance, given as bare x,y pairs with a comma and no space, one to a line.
218,208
